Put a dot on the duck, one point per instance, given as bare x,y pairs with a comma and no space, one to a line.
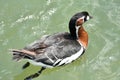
57,49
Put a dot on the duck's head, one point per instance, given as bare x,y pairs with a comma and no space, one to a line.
77,20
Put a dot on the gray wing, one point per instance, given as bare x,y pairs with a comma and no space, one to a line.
45,41
38,44
59,47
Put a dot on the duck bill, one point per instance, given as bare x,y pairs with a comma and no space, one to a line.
90,17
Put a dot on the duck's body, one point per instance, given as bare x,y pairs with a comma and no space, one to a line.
58,49
55,50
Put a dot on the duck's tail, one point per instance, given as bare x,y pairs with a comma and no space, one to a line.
20,54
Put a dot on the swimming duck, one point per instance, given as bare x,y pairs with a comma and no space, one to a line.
57,49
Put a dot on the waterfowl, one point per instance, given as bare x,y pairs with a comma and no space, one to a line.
57,49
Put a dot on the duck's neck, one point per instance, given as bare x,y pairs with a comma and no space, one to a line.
82,36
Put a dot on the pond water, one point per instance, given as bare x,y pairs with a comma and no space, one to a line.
23,21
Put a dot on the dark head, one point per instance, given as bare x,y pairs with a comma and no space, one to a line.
77,20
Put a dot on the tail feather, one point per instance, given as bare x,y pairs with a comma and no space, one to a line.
19,54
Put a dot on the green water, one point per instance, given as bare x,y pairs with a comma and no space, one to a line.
23,21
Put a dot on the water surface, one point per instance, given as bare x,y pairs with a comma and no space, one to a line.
23,21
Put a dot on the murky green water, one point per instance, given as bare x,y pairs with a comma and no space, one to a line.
23,21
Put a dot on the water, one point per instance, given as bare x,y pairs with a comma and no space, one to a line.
23,21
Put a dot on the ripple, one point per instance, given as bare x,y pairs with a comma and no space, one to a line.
52,11
48,2
2,25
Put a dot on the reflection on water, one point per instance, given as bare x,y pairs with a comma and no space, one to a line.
22,22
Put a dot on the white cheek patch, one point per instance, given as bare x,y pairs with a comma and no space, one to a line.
88,18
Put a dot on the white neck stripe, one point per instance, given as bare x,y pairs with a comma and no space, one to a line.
77,28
